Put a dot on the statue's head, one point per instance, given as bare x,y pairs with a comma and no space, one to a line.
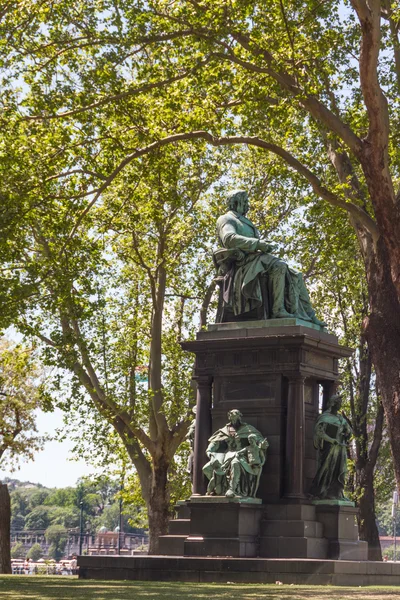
335,402
239,201
235,416
252,439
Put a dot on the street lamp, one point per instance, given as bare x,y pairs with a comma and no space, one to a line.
120,521
394,515
81,528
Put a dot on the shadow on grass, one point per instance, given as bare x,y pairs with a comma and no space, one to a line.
59,588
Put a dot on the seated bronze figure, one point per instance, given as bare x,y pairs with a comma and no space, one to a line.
255,284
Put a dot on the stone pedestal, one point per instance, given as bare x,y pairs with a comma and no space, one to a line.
292,531
222,527
272,371
341,531
275,373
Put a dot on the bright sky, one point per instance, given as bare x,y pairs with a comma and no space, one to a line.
52,466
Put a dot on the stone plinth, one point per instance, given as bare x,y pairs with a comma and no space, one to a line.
223,527
292,530
341,530
272,372
239,570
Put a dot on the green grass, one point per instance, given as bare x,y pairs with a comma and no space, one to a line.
16,587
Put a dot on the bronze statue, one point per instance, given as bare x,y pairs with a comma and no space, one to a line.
251,277
237,454
331,436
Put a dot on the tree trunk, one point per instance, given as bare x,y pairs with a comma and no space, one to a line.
158,507
383,334
5,519
367,524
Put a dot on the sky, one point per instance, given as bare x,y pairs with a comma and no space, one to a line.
52,466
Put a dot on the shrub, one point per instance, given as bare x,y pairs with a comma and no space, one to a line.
18,550
35,552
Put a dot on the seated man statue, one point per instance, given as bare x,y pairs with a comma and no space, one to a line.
251,276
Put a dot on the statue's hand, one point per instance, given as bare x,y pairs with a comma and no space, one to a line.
265,246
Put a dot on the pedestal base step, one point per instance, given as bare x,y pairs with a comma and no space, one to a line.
293,547
288,528
243,570
172,544
179,526
243,546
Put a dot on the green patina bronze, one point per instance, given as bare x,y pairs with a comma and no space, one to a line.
237,454
251,276
331,436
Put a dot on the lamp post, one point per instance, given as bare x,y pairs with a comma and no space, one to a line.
120,521
81,528
394,515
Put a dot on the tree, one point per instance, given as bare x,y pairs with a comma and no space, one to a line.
148,246
5,550
17,521
56,536
38,518
20,397
35,552
18,550
278,76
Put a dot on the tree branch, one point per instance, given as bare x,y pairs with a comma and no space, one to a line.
138,90
312,104
375,101
362,9
315,182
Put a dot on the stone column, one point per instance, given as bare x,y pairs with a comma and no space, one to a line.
295,439
202,433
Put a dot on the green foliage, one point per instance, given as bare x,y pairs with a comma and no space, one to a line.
100,506
38,518
56,536
18,550
35,552
107,229
17,521
22,394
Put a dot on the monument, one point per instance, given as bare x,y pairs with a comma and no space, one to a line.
268,480
265,362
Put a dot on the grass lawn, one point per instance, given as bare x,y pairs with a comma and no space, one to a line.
14,587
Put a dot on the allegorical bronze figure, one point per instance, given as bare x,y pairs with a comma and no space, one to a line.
331,437
237,454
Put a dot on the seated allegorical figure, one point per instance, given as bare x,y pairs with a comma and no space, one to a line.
237,454
255,283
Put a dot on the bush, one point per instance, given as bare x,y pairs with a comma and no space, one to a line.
57,536
17,522
18,550
38,518
389,552
35,552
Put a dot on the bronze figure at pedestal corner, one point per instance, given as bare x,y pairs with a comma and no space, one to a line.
255,284
237,453
332,433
